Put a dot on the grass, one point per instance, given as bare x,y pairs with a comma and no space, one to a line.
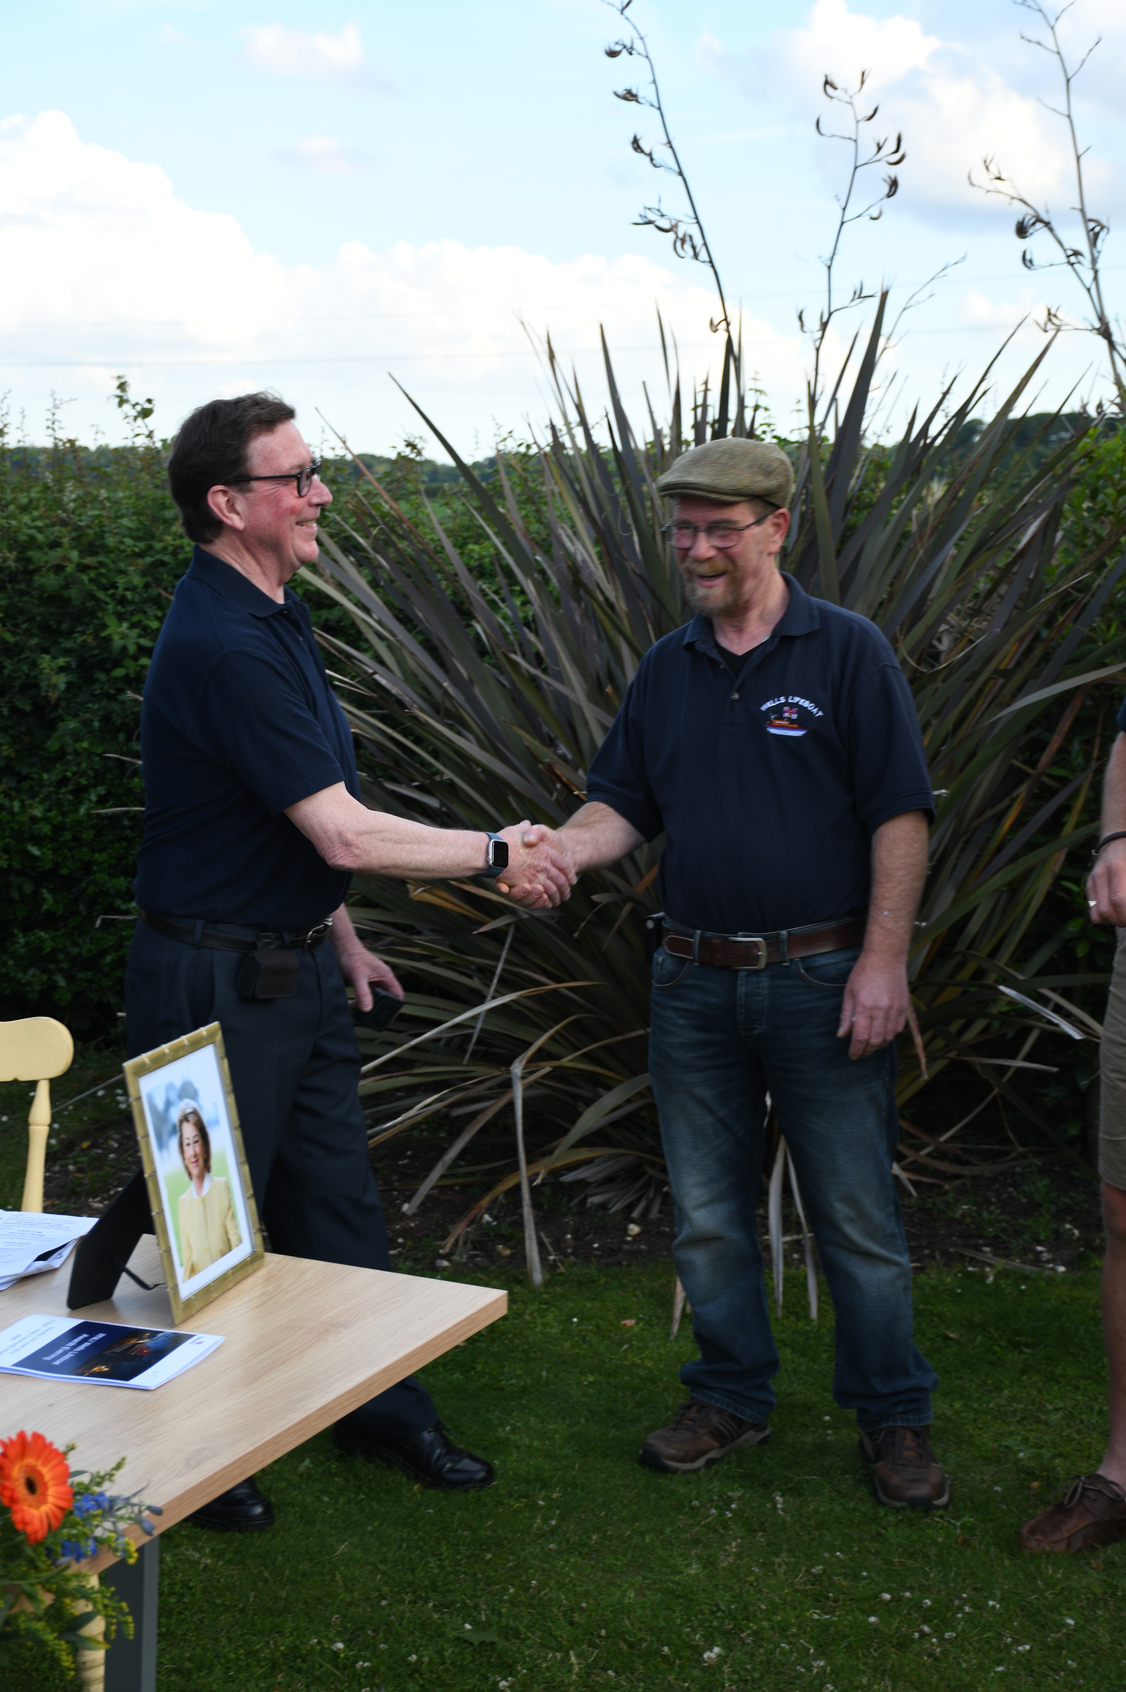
581,1570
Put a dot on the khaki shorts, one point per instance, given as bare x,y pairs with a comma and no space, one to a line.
1112,1070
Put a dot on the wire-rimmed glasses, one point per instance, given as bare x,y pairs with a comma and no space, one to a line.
720,535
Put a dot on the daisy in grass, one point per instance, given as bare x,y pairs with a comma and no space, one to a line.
34,1484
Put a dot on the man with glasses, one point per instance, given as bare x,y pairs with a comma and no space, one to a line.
774,743
253,827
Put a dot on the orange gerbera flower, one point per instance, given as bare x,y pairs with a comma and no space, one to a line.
34,1484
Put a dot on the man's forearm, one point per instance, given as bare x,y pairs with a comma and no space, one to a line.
350,837
875,1004
899,869
596,836
1114,790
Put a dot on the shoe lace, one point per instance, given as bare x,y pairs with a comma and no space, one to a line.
1093,1483
690,1415
905,1447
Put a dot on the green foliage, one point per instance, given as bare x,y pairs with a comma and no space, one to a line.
90,549
482,694
46,1597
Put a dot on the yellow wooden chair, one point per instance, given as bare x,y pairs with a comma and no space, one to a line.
35,1049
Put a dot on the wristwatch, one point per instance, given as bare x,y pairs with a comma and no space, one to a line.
496,858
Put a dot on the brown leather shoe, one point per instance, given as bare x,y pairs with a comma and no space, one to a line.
904,1469
698,1435
1092,1512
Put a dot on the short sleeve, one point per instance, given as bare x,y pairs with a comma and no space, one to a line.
889,761
251,718
1120,720
617,771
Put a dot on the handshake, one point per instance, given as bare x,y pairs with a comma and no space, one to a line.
541,871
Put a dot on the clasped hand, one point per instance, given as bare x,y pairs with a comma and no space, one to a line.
539,875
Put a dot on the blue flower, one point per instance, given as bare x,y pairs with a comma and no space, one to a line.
88,1502
77,1549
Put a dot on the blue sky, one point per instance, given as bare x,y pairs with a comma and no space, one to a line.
208,198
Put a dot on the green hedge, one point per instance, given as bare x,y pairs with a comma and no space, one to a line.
90,551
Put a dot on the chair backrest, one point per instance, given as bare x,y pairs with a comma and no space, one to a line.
37,1048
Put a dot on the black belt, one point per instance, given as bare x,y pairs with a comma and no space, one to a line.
271,939
755,951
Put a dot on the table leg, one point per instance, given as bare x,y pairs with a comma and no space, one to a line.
131,1663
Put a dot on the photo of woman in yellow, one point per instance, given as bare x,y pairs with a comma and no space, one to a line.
208,1226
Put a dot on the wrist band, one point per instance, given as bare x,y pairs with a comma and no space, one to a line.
1106,840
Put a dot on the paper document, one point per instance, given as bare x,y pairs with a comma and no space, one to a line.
107,1353
31,1243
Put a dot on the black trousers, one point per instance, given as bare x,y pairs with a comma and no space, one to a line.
294,1069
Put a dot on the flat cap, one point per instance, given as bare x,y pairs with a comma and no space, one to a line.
731,470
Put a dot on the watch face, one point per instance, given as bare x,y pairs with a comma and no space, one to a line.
498,854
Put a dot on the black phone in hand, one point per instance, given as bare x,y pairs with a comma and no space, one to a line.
385,1008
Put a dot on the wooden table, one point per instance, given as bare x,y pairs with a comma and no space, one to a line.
303,1343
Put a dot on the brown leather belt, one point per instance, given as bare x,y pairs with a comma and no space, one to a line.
755,951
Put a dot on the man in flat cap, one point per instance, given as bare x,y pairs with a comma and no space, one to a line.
774,743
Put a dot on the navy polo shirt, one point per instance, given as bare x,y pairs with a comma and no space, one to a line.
238,722
768,783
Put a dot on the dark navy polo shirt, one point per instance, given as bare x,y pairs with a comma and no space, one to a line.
238,722
768,783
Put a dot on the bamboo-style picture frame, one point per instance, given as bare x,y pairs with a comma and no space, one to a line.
195,1168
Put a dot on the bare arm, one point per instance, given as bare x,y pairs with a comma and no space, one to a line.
349,836
874,1008
1106,885
357,964
595,836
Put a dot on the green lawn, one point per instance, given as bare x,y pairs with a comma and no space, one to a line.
580,1569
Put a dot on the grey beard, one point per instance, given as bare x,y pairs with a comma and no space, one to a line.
700,601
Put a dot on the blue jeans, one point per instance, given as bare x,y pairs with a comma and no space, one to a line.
720,1040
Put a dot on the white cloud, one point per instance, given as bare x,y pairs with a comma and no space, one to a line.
318,56
107,270
323,154
953,108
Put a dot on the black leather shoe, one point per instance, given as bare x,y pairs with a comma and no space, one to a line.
241,1510
431,1457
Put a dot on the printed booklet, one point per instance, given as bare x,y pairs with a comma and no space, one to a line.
109,1353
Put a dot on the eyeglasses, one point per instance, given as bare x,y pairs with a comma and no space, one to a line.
719,535
303,478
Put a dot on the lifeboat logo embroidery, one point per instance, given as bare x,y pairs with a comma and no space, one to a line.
784,721
789,715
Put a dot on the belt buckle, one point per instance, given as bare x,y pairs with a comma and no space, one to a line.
763,950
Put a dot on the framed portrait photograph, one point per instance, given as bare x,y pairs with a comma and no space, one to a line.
195,1168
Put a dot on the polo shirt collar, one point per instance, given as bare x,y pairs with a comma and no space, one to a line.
800,617
216,573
